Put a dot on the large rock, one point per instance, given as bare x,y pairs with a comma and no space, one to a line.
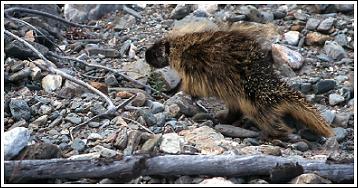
14,141
334,50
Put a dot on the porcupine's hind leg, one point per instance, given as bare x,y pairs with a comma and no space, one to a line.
229,116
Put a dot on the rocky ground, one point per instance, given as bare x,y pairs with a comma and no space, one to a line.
314,54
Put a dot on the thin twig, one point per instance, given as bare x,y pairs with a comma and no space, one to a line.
108,112
136,122
37,30
109,69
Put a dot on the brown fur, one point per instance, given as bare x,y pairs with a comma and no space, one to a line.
233,65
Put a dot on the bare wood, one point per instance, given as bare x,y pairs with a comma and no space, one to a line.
132,166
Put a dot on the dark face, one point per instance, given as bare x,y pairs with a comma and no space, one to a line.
158,54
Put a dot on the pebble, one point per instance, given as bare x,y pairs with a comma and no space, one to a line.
78,145
284,55
312,24
171,143
216,180
292,37
168,76
139,100
19,109
154,106
329,116
51,82
105,152
14,141
334,50
309,179
235,132
258,181
300,146
341,39
262,149
94,136
73,118
335,99
20,75
149,145
184,180
326,25
340,133
324,86
180,11
111,80
161,118
315,38
148,117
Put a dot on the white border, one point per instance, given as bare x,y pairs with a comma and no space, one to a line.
175,2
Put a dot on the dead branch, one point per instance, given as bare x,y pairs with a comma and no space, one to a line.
170,165
40,13
109,69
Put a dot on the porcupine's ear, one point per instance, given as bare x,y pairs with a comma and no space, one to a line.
158,54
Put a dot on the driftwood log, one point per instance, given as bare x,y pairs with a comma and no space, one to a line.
170,165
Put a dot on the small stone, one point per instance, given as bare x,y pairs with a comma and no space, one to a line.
258,181
292,37
185,104
149,117
201,117
341,39
19,109
251,142
73,118
138,70
171,143
342,119
168,76
335,99
340,133
267,17
124,94
262,149
125,22
284,55
139,100
235,132
329,116
14,141
45,109
180,11
100,86
106,53
149,145
309,179
334,50
155,107
94,136
326,25
20,75
315,38
312,24
94,124
279,14
78,145
251,13
301,16
21,123
301,146
324,86
216,180
306,87
161,118
51,82
105,152
86,156
111,80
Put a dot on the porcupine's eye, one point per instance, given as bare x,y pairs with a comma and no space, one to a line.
157,55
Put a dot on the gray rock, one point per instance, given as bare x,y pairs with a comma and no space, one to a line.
139,100
251,142
138,70
20,75
168,76
279,14
105,52
235,132
154,106
236,18
161,118
345,8
14,141
292,37
334,50
185,104
340,133
258,181
51,82
184,180
329,116
341,39
324,86
312,23
284,55
111,80
78,145
217,181
73,118
306,87
342,119
180,11
301,146
326,25
251,13
94,136
149,145
94,124
21,123
309,179
148,116
45,109
267,17
105,152
125,22
19,109
171,143
42,120
335,99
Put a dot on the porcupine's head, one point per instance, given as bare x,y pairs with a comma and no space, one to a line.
158,54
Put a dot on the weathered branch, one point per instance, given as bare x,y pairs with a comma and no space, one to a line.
133,166
37,12
111,70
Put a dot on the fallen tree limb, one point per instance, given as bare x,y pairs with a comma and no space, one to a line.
168,165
